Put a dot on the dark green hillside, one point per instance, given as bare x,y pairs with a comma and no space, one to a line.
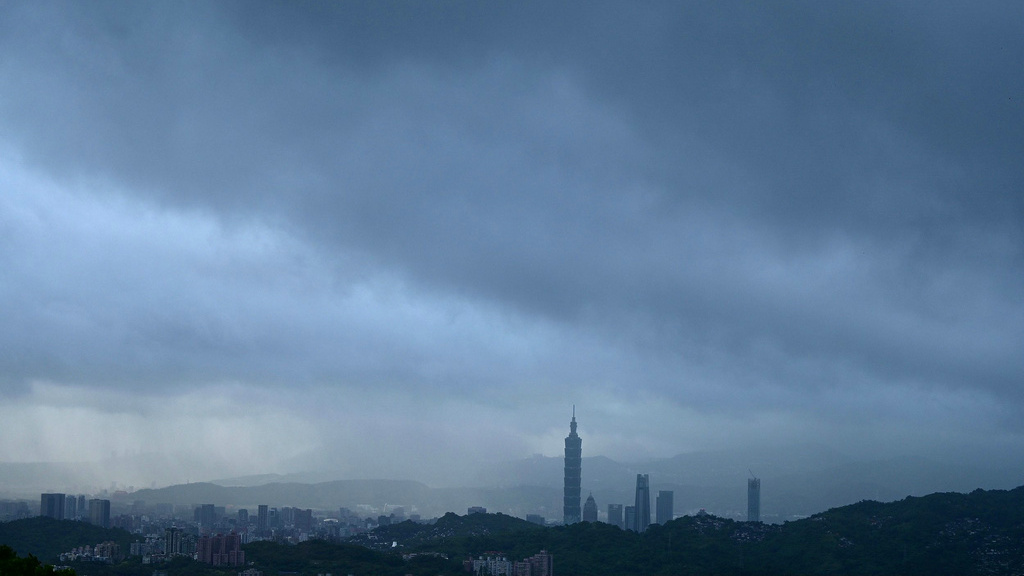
977,533
948,533
12,565
449,528
318,557
45,538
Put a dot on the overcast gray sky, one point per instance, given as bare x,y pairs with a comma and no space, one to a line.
394,238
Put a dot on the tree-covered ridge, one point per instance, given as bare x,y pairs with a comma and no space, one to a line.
977,533
12,565
319,557
409,535
45,538
981,533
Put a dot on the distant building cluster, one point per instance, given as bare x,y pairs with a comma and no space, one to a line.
635,517
67,507
220,550
540,564
14,510
106,552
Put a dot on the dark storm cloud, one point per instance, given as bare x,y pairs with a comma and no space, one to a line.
720,205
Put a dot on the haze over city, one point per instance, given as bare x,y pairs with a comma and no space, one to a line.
401,240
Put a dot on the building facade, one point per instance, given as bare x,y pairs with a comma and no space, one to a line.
629,517
665,506
262,520
615,515
221,550
590,509
52,505
642,504
99,513
571,512
173,542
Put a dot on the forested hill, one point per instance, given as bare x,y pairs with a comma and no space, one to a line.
45,538
980,533
947,533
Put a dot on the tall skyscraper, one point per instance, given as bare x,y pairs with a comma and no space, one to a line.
665,506
615,515
642,504
573,470
590,509
753,499
52,505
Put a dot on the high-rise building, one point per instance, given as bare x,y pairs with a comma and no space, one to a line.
541,564
304,520
753,499
615,515
83,505
665,506
207,517
172,541
70,507
99,513
590,509
573,469
243,518
642,505
52,505
262,520
630,518
221,550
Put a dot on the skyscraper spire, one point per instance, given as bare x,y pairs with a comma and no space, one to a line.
573,464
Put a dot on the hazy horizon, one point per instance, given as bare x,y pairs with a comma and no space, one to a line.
398,240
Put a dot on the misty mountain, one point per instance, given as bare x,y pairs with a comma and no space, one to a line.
796,480
369,496
323,495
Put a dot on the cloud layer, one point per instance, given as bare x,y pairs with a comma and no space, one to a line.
409,236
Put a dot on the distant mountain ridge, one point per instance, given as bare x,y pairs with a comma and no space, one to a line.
797,481
323,495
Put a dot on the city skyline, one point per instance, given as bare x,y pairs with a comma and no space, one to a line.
396,240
